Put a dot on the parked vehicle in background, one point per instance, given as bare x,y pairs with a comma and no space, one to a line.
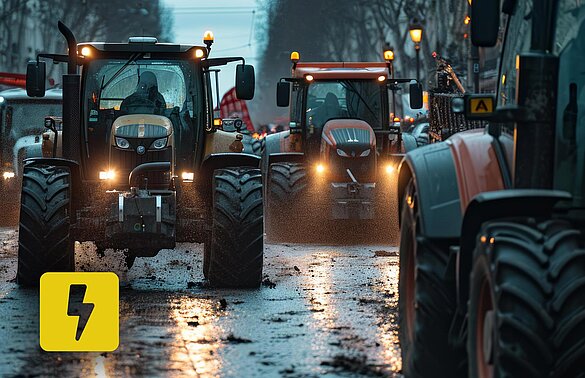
21,126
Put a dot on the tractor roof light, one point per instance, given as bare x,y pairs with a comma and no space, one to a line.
199,53
208,39
388,55
86,51
382,78
295,57
309,78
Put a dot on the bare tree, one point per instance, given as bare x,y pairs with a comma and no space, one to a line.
30,26
354,30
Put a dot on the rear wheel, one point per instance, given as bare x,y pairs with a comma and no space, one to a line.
286,192
236,255
44,241
427,301
527,308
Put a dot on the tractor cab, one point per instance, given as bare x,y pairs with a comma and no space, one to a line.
324,92
147,107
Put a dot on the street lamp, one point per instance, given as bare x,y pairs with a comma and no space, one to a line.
416,34
389,58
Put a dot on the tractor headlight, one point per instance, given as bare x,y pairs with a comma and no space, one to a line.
122,143
365,153
107,175
159,144
342,153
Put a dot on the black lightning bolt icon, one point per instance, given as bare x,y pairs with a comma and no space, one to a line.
78,308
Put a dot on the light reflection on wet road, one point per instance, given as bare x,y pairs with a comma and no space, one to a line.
332,311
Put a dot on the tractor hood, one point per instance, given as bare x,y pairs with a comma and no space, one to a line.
349,137
142,126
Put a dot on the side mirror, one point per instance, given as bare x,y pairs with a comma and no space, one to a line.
245,82
416,95
485,22
35,78
282,94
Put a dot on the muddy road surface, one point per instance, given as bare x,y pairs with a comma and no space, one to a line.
321,311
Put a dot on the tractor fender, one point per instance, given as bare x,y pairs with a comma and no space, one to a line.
275,143
498,205
278,148
433,171
409,142
223,160
448,175
75,182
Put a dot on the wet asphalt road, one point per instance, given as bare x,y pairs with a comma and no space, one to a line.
321,311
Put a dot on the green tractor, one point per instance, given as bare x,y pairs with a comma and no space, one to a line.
492,247
139,165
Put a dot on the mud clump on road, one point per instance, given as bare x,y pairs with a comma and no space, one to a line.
236,340
268,283
358,364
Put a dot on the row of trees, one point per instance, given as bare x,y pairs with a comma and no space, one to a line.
30,26
357,30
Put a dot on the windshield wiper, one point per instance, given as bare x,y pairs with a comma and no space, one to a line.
349,85
132,59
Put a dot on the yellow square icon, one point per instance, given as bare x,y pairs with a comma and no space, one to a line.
79,312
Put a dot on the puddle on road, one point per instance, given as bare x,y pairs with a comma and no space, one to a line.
328,310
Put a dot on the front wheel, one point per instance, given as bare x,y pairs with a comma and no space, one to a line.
527,301
44,241
427,301
237,246
286,203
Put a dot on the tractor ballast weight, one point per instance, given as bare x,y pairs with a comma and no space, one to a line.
139,169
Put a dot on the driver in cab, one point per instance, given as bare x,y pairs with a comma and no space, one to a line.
146,99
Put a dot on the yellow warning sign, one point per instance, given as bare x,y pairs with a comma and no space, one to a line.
481,105
79,312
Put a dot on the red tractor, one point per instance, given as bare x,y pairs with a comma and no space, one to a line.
336,164
492,250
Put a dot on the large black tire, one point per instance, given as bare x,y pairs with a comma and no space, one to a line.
286,203
44,242
527,301
237,246
427,301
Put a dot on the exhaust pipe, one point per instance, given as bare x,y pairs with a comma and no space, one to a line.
71,134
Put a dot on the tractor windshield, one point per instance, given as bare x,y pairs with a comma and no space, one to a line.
356,99
113,88
570,47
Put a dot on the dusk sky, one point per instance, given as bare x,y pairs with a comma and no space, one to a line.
231,22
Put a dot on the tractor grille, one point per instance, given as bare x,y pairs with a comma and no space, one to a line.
126,160
363,168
